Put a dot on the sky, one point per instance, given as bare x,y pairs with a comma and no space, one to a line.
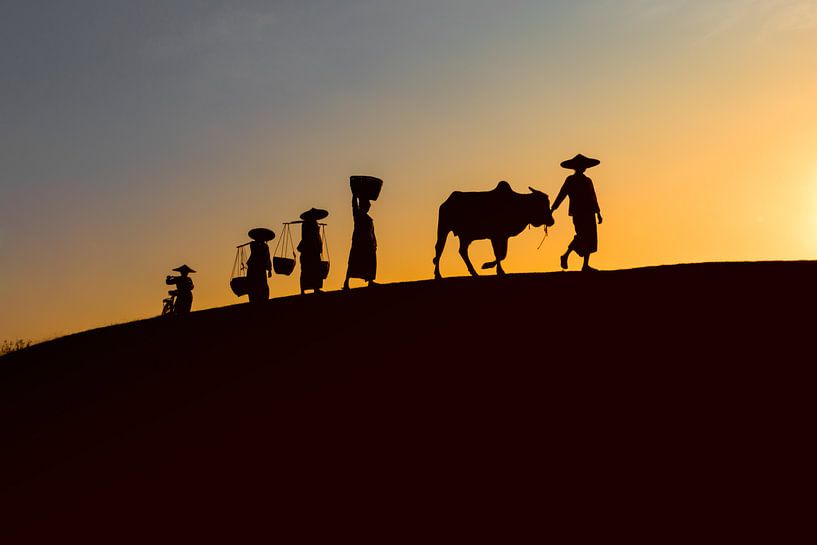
137,136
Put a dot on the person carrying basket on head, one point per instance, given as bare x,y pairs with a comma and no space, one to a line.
363,254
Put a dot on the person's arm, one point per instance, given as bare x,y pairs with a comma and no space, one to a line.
561,196
596,208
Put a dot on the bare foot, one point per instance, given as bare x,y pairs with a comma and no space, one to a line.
563,261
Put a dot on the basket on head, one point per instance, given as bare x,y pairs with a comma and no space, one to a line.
366,187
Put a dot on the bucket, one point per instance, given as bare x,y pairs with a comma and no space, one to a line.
324,269
366,187
283,265
240,285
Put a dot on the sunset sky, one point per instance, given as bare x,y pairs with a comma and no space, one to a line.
139,135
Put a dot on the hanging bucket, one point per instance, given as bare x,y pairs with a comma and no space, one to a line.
283,265
239,282
325,251
240,285
280,263
366,187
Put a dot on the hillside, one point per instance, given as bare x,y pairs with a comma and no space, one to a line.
670,395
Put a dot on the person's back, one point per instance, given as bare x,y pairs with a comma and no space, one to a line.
579,189
363,232
184,284
259,261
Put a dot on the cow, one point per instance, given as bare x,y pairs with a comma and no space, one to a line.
495,215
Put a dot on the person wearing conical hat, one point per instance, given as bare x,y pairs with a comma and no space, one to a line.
183,291
584,208
311,249
259,264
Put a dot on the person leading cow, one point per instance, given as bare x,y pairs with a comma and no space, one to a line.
584,208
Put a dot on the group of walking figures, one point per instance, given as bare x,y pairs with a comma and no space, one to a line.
495,215
250,273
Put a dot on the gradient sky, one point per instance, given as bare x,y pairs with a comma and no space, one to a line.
137,136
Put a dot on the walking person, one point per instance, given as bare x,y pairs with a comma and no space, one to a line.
584,208
311,249
183,291
363,254
259,264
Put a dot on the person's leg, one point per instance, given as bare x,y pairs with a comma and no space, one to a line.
346,282
563,259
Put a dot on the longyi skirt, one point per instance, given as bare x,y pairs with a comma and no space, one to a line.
586,240
362,261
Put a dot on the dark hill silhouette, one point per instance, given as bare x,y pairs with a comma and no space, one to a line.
675,398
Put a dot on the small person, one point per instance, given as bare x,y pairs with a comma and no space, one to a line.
183,291
584,208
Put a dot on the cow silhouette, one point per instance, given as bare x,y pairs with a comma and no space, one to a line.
495,215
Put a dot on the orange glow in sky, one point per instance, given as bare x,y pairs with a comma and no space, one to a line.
173,142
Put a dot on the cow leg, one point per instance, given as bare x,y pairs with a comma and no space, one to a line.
442,235
500,246
464,244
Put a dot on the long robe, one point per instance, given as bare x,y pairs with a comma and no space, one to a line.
311,248
363,255
258,265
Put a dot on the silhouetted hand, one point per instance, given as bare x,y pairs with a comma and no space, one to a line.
600,218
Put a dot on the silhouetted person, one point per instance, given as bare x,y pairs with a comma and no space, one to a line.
363,255
311,248
584,208
259,264
183,291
